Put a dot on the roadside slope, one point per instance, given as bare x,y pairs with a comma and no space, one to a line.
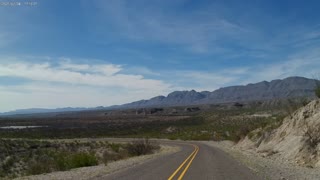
297,139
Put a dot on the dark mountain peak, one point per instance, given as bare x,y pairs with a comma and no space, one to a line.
157,98
177,94
293,78
204,92
187,94
263,82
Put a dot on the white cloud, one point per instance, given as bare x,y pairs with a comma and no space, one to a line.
104,75
72,84
139,70
75,67
106,69
236,71
305,63
200,80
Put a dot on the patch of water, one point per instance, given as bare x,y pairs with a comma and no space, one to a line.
19,127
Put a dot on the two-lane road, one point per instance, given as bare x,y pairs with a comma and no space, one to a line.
195,161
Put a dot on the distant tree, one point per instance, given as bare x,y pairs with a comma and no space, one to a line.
312,133
317,88
292,104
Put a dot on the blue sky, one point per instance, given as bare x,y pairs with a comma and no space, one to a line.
91,53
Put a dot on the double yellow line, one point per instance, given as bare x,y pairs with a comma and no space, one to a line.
190,159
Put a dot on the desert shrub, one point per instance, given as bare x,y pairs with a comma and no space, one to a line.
251,135
265,127
142,147
240,133
115,147
7,164
109,156
123,153
60,159
81,160
39,167
291,105
30,157
172,137
48,161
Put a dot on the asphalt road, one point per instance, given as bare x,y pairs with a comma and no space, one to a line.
205,163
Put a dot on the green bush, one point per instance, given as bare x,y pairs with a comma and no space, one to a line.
50,161
173,137
115,147
81,160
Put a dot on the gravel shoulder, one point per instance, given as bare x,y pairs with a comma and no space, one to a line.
273,167
101,170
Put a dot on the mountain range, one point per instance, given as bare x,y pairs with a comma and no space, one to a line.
290,87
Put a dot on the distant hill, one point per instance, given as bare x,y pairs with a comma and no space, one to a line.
42,110
290,87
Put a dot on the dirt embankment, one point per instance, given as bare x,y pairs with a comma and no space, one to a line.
296,140
291,151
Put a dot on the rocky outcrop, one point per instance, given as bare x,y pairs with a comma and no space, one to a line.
297,139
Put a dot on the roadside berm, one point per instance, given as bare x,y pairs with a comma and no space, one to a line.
296,140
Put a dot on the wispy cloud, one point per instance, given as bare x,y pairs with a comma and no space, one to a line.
203,80
65,83
139,70
304,63
104,75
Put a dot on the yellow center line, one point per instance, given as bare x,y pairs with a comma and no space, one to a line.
191,156
185,170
